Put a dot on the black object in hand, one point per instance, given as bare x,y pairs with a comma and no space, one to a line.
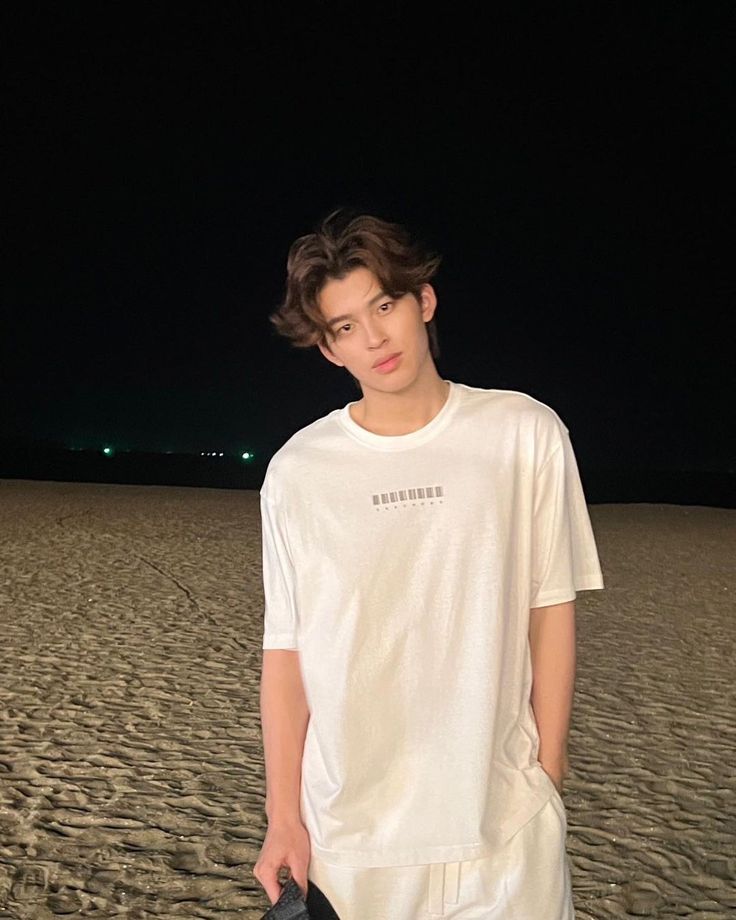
291,904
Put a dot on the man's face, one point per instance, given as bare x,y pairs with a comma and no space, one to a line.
368,326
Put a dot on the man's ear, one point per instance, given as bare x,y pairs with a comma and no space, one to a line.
328,354
427,302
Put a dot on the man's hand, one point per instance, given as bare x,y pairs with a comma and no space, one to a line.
557,769
286,846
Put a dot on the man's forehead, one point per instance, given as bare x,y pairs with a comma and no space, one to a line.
359,285
360,278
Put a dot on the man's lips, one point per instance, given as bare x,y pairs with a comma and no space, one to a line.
386,358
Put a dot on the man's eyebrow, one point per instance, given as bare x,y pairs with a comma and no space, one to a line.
344,316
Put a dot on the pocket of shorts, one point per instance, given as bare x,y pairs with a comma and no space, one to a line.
555,800
555,790
562,813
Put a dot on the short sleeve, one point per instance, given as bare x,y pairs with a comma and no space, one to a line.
564,553
280,609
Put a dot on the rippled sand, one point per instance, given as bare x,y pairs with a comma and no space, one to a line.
131,770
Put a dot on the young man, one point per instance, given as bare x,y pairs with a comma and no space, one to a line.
422,550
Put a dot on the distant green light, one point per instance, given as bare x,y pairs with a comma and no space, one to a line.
247,455
107,450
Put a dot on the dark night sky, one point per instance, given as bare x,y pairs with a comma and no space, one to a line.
568,162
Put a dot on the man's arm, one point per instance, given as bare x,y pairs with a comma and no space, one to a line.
284,720
552,647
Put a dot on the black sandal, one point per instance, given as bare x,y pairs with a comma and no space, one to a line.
292,905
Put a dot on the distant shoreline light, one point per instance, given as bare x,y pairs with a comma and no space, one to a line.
110,451
246,455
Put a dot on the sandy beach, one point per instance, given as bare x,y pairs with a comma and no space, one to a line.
131,769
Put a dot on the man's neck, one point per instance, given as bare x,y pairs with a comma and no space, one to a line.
392,414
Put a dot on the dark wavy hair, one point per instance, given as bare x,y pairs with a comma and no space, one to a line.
341,242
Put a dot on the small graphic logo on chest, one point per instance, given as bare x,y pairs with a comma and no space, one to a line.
421,495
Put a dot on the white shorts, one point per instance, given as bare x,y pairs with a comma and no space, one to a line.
528,879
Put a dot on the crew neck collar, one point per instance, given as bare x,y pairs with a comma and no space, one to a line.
401,441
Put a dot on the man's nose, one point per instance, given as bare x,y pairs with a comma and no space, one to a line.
374,334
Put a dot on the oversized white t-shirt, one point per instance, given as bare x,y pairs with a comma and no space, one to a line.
403,568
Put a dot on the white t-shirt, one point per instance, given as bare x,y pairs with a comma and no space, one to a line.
403,568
